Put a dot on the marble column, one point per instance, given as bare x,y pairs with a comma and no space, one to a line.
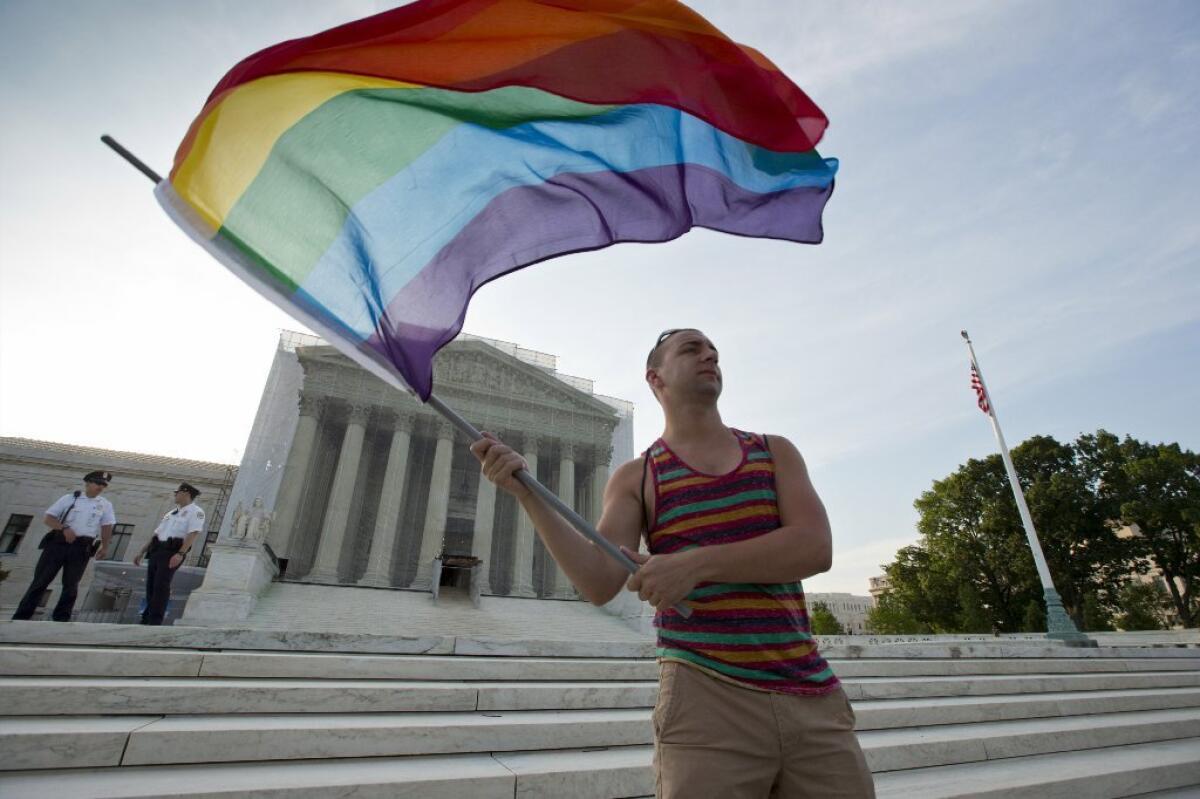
599,481
437,508
522,569
384,539
337,511
481,541
291,490
556,582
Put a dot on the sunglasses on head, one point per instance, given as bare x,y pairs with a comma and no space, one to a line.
666,334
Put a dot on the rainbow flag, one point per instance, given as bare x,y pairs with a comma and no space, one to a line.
370,178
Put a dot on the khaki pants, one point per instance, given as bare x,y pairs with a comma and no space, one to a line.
715,739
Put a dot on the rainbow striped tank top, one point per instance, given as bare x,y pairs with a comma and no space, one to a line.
754,634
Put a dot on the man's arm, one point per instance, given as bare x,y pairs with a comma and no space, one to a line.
106,527
188,540
105,537
801,547
137,559
195,527
52,520
593,572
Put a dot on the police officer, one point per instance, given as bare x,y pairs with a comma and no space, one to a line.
75,521
167,549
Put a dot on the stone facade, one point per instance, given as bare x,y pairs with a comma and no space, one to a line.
35,473
368,485
365,484
849,609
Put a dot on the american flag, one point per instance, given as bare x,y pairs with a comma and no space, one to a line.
977,384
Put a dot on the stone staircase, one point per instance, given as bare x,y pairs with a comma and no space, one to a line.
114,711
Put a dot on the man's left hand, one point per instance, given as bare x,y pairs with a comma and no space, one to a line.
102,552
662,580
176,561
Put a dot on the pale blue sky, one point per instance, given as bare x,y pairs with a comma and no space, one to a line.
1026,170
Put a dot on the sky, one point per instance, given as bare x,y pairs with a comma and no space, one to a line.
1024,170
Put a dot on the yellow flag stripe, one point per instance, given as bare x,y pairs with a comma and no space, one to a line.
236,137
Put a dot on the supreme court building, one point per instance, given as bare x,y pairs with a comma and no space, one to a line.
367,486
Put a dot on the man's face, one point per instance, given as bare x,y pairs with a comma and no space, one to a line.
92,490
688,366
182,497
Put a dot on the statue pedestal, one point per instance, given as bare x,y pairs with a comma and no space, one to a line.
238,573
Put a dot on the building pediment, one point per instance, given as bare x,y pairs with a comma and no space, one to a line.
479,367
470,367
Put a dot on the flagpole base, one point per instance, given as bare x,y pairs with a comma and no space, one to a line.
1059,626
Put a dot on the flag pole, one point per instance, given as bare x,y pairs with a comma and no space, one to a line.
1058,624
530,482
468,429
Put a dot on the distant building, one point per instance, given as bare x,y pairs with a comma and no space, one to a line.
879,586
33,474
849,609
366,486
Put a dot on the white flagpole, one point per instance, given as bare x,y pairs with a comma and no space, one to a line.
1058,623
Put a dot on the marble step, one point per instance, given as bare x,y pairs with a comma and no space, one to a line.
922,747
1186,792
858,688
140,740
44,696
27,661
1159,769
981,666
16,660
39,696
1111,770
621,646
439,777
228,739
896,713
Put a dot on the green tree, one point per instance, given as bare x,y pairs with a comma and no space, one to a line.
1142,606
1157,488
890,617
923,590
1096,617
1077,493
972,615
823,621
1082,550
1035,618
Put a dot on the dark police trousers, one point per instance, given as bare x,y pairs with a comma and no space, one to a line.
73,559
158,578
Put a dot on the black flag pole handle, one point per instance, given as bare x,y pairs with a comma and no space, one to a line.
468,429
131,158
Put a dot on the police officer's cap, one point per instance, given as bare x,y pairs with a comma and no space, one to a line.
101,478
191,489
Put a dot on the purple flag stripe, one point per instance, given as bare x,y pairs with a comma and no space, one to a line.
574,213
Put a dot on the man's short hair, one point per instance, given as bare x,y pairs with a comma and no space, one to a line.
654,359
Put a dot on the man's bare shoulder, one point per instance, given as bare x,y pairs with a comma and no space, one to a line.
784,450
627,476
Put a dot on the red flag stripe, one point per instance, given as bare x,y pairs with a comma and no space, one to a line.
977,384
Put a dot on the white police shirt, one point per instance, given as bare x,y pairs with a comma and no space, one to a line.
87,515
179,522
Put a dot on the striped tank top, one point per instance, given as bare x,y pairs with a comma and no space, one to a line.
757,635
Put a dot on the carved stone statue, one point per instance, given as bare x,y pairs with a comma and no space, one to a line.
259,523
240,521
251,525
